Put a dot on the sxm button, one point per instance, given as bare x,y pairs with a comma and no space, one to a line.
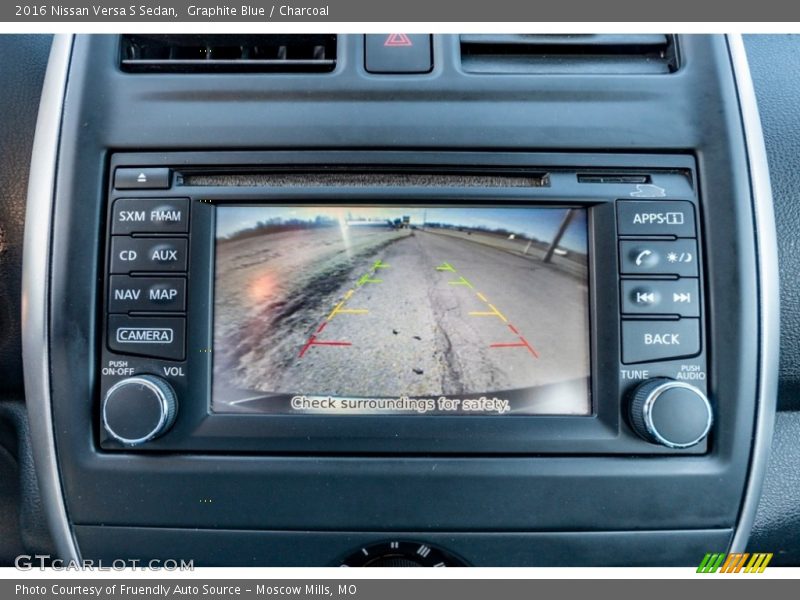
646,341
144,215
159,337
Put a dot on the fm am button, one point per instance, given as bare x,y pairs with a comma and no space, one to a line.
647,341
655,217
139,215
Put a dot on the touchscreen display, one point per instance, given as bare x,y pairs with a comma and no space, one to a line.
387,310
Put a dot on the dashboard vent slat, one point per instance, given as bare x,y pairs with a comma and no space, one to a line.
579,54
228,53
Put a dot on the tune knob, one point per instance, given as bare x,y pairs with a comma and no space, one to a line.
670,413
139,409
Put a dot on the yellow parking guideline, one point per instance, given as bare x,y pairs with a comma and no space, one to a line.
335,310
493,313
351,311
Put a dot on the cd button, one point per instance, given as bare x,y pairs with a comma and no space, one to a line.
159,337
646,341
675,257
148,254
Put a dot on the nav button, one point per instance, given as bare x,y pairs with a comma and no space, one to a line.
157,294
159,337
647,341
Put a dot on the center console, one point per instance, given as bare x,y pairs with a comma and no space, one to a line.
427,317
328,307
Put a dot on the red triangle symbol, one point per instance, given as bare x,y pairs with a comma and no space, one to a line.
397,39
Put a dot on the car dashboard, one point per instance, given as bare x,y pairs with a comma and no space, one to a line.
401,300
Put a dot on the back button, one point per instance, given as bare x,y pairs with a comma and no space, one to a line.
646,341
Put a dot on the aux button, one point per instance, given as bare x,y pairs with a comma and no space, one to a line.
148,254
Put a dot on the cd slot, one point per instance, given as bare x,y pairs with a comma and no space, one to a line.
360,179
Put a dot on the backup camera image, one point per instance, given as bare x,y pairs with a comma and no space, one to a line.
401,310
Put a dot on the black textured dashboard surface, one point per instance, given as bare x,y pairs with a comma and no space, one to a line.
778,524
777,527
775,67
24,63
352,110
22,526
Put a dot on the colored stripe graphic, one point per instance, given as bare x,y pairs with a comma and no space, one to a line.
734,562
758,563
711,562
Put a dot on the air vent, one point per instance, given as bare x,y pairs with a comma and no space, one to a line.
569,54
228,53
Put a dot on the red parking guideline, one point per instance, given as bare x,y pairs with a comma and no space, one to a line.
312,341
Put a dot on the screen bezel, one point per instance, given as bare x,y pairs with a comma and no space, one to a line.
605,431
414,434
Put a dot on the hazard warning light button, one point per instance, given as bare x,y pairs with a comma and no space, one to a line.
398,53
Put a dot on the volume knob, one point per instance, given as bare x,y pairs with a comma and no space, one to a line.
139,409
670,413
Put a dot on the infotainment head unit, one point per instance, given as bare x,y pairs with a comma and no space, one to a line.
367,302
401,310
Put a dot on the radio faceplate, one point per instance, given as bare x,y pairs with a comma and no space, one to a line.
645,292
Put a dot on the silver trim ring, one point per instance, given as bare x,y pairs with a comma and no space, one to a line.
768,291
162,399
36,295
647,413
